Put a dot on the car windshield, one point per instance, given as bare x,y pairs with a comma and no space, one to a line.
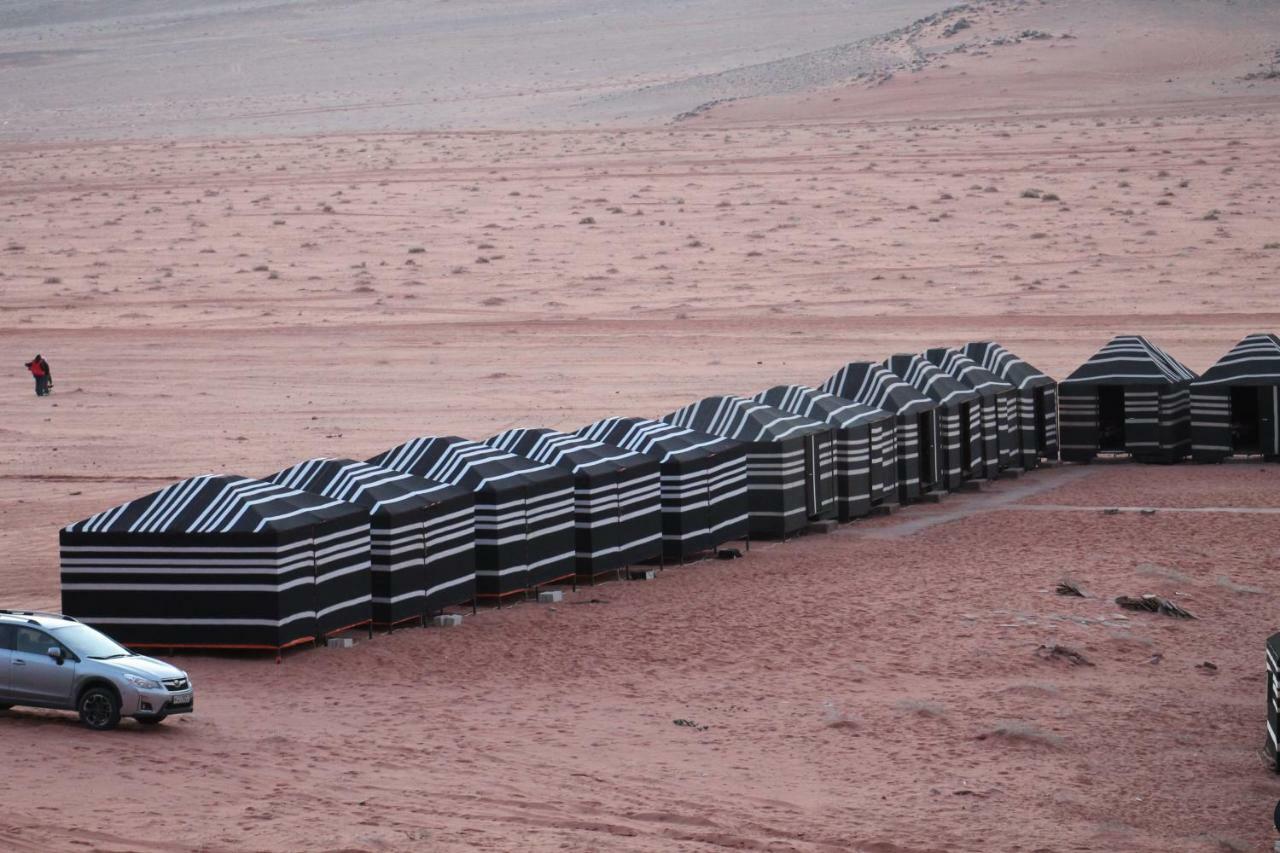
88,643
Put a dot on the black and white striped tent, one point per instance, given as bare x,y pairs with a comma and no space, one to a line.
219,562
524,511
1037,400
1272,745
1235,405
960,446
703,481
616,495
423,555
1131,397
866,459
790,459
1000,440
916,426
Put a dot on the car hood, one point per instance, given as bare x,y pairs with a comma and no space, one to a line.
146,667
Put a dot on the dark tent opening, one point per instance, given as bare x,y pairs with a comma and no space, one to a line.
1042,422
1246,432
1111,418
928,453
966,441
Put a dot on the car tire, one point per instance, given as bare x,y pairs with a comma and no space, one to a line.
152,721
99,709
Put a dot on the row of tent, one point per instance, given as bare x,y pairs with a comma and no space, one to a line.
331,544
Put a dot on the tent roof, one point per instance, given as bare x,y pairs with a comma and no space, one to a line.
822,406
565,450
459,461
379,490
745,420
1006,365
959,366
1130,359
874,384
658,438
1253,361
217,504
929,380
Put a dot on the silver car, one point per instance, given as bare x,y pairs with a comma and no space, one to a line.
52,661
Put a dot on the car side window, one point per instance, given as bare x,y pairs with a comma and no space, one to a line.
6,638
32,641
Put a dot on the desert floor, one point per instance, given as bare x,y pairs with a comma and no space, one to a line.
237,303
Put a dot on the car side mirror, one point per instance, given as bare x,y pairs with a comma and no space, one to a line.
55,652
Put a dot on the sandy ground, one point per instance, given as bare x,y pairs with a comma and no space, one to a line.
235,304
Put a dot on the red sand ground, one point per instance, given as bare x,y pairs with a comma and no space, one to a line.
877,689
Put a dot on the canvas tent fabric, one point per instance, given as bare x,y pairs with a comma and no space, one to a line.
865,456
1000,444
219,561
616,495
960,447
1235,405
1272,743
422,533
1130,396
1037,408
523,510
915,427
703,481
790,460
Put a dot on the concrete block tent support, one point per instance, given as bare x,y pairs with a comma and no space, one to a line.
1037,403
960,445
220,562
865,452
997,401
1129,397
790,460
523,510
703,481
423,556
616,493
1235,405
915,426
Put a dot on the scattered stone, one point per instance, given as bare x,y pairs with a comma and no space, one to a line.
1153,604
690,724
1065,653
1066,587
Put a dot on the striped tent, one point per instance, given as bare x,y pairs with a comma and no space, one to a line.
960,446
1235,405
423,535
1037,400
524,511
866,460
616,496
1272,745
1131,397
703,481
916,427
790,460
219,562
1000,441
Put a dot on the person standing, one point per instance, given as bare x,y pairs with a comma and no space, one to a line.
39,371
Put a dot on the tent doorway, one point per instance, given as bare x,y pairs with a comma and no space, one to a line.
924,428
1246,434
1042,437
1111,417
966,441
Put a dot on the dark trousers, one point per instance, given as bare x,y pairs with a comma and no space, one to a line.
42,386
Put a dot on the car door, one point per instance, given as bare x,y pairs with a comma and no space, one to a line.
6,654
36,677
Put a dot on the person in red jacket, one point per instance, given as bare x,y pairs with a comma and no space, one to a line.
40,370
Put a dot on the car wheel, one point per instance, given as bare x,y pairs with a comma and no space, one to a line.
152,721
100,709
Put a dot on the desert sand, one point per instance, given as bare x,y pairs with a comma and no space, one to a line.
219,294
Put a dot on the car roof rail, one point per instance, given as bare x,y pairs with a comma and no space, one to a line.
37,613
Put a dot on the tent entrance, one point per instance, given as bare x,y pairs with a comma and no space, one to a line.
1246,432
1111,417
966,441
1042,438
924,429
